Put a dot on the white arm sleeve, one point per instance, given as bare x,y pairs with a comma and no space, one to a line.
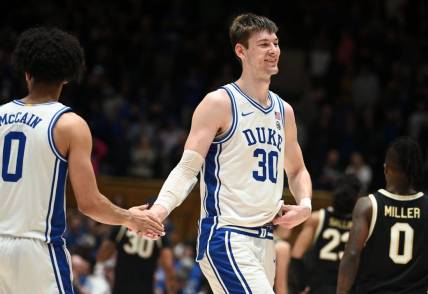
180,181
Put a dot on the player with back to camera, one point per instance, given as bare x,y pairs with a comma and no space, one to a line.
137,258
41,141
316,254
387,247
242,137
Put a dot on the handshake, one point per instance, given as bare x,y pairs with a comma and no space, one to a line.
147,222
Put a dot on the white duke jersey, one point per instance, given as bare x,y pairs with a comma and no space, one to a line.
33,172
243,175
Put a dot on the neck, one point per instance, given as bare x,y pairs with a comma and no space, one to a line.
400,189
256,88
43,93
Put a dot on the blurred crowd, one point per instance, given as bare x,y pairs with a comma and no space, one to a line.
356,73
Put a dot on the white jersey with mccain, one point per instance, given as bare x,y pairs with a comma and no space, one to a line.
33,173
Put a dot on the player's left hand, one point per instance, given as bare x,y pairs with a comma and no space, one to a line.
292,215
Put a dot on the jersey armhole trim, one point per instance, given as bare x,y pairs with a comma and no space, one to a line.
281,108
374,216
320,225
226,136
50,132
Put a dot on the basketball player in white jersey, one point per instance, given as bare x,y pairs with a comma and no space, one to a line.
41,141
242,138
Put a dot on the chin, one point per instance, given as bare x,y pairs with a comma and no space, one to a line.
273,71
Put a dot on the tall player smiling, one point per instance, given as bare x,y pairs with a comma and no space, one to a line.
241,139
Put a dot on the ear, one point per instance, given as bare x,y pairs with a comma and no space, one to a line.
385,169
240,51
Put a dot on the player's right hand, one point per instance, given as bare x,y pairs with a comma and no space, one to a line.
144,222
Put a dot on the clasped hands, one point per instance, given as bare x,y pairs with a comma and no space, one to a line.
145,222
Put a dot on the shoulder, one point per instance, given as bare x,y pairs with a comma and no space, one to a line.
70,122
214,109
288,108
363,208
218,98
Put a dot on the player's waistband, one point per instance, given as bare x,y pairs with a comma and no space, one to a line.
263,232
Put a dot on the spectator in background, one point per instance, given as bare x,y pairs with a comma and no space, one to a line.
359,168
330,171
143,158
99,152
189,274
85,281
365,89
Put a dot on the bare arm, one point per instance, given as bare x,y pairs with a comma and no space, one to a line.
73,139
167,263
211,118
299,180
348,268
282,260
305,237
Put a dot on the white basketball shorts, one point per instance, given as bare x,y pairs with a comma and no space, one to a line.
33,266
240,260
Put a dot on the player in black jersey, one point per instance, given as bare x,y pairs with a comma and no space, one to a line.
387,248
136,261
319,246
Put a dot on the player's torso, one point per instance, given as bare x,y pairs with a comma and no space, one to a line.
242,178
33,173
395,255
137,258
329,244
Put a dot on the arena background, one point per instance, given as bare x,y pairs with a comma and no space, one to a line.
356,73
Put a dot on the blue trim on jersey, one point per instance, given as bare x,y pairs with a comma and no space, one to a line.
229,249
216,273
61,268
58,220
204,204
263,109
226,136
205,228
259,233
211,199
220,261
19,102
50,132
211,180
54,176
64,268
281,107
55,218
54,269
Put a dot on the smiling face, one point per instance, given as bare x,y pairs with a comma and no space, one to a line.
261,56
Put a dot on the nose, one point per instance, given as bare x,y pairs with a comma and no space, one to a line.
273,49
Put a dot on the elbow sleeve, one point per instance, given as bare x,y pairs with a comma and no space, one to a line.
180,181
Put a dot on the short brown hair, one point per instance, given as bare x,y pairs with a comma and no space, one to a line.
244,25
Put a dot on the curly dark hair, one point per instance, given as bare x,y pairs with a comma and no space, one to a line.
408,155
345,194
49,55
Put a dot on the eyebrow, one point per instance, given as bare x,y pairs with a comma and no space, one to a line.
267,40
